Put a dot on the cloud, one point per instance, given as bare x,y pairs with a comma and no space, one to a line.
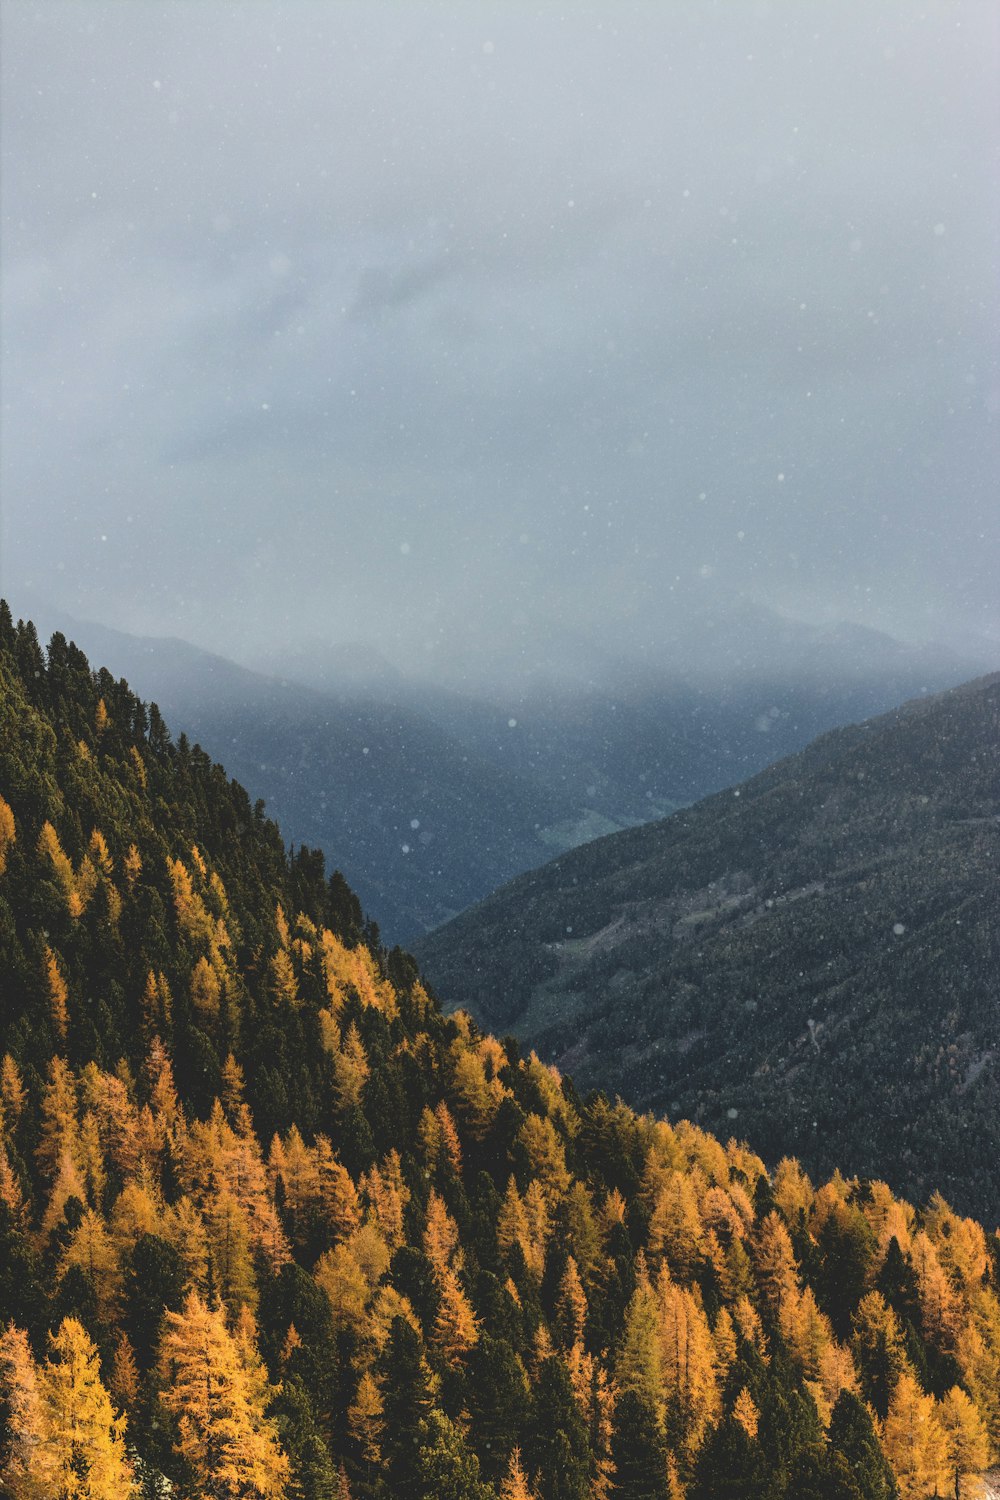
288,286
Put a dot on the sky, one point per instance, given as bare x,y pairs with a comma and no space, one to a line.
416,324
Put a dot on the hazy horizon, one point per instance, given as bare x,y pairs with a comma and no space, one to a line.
432,327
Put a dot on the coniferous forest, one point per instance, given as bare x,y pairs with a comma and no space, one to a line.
271,1224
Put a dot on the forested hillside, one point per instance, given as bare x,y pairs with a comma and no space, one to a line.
271,1224
815,954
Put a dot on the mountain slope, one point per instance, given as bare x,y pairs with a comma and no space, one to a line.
273,1226
815,954
419,822
349,756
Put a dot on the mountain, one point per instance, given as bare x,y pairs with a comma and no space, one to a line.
419,822
274,1227
814,954
428,798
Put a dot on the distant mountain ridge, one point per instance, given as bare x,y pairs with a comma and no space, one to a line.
428,798
815,954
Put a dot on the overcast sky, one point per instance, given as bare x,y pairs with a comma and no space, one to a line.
392,322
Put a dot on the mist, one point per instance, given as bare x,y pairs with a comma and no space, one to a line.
493,335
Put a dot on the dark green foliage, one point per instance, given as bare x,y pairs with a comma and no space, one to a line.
638,1451
732,1466
499,1404
446,1470
557,1453
408,1405
853,1438
153,1280
314,1476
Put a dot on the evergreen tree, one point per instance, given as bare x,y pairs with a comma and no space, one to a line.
557,1452
407,1402
853,1437
638,1451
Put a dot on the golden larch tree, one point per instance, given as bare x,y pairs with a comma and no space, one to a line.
83,1455
914,1440
23,1474
967,1446
8,833
223,1431
58,993
456,1328
515,1484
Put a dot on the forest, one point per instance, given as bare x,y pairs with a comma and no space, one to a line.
273,1224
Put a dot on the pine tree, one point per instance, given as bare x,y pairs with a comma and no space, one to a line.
58,994
446,1469
745,1412
8,832
879,1350
853,1436
408,1399
557,1449
638,1451
456,1328
571,1305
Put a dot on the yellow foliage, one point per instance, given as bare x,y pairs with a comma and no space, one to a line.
11,1195
91,1251
914,1440
745,1412
546,1156
337,1195
456,1328
83,1453
353,970
50,848
23,1475
675,1229
687,1358
793,1192
350,1070
515,1485
193,918
138,765
58,992
8,833
214,1383
571,1304
774,1262
388,1196
100,854
133,865
478,1096
365,1419
440,1235
12,1092
283,980
345,1284
86,884
205,989
967,1447
806,1330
